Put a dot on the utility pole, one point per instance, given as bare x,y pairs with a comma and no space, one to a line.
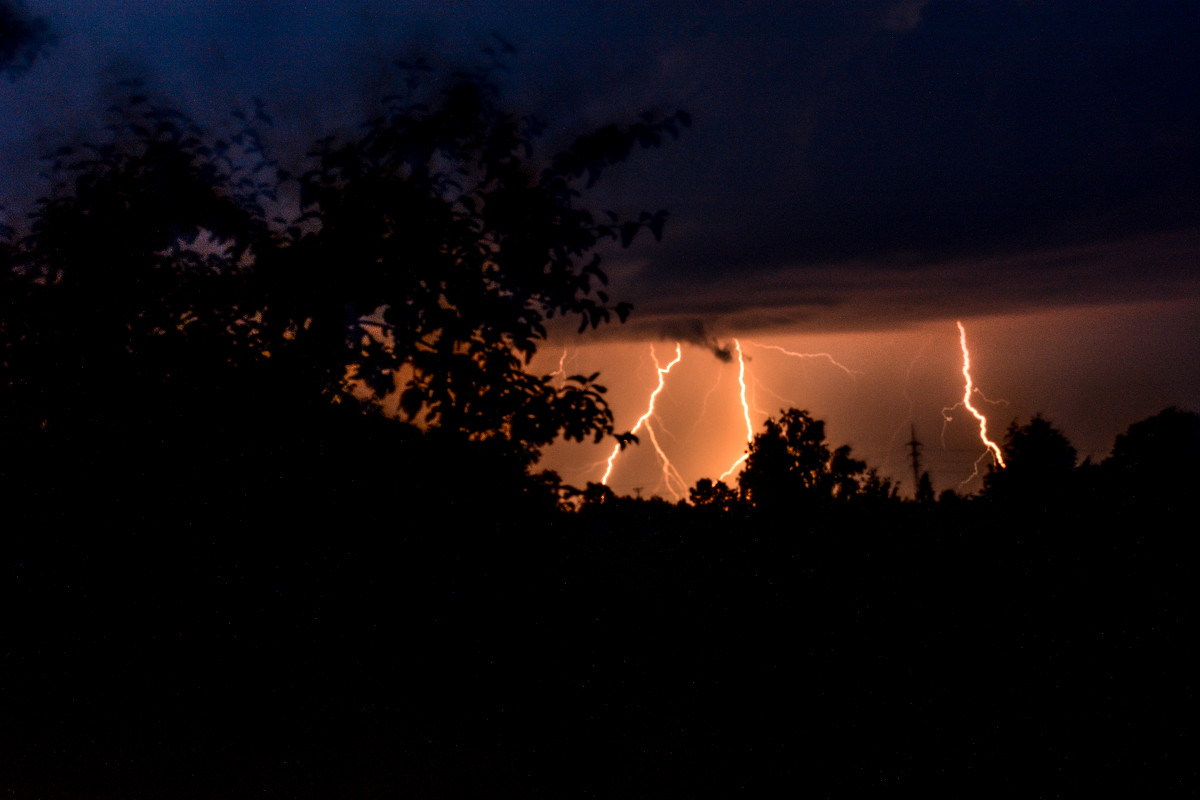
922,486
914,451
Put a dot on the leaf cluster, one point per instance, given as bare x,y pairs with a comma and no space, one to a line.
413,267
440,226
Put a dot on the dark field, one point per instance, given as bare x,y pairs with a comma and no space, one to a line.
634,649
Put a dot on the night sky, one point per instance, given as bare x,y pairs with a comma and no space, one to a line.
859,176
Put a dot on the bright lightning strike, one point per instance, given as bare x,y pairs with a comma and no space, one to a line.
745,410
742,381
669,471
970,389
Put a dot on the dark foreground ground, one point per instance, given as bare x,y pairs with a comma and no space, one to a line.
633,651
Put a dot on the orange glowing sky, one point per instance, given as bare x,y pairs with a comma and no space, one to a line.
1090,370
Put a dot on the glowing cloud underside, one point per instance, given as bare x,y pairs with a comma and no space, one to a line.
966,401
669,472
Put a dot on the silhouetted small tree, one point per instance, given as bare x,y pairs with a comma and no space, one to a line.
1040,462
873,487
790,463
949,497
717,496
1156,463
925,493
597,494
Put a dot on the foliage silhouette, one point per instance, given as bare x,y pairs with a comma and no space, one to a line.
133,343
789,463
1156,463
715,496
1040,467
924,493
164,293
440,221
597,494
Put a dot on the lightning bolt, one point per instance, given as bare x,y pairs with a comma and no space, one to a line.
745,411
742,382
562,360
704,406
669,471
989,445
759,386
826,356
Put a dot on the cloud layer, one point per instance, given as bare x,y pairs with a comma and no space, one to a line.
851,164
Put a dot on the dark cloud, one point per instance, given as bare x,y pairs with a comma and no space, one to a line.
874,296
692,331
973,133
841,151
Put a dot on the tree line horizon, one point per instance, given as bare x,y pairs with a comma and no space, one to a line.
177,296
790,461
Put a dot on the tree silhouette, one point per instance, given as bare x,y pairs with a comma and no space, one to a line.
789,463
1156,463
174,283
1040,462
597,494
715,496
924,494
133,316
440,221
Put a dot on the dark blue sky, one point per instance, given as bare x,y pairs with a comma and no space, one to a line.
885,145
